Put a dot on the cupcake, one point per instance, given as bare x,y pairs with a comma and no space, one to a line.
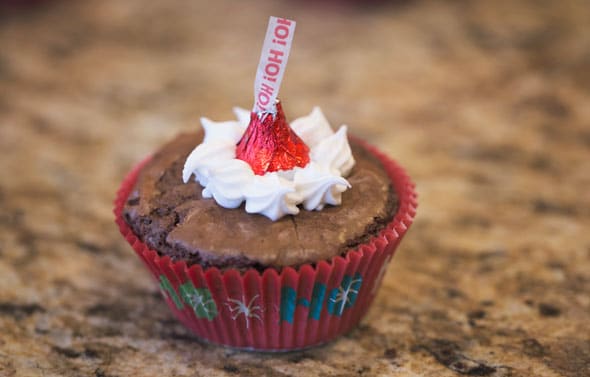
266,235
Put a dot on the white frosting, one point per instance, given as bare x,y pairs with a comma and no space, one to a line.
231,181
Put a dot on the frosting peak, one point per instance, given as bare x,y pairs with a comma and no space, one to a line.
231,181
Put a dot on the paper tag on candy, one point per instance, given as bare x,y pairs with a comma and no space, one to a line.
269,144
273,60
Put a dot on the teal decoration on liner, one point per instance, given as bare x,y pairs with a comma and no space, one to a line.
303,302
345,295
169,289
317,300
199,299
288,302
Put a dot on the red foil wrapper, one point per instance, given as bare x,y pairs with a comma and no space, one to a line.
277,310
269,144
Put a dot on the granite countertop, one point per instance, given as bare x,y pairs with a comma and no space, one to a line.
484,103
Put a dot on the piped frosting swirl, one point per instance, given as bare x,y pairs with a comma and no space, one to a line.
230,181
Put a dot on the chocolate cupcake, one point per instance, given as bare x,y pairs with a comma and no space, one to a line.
243,280
267,236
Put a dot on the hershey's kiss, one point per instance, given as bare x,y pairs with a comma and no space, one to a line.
270,144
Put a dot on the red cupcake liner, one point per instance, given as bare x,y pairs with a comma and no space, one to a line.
277,311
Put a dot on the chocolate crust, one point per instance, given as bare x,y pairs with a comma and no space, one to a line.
175,220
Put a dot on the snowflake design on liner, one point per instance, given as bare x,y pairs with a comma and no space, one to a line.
346,294
201,302
249,311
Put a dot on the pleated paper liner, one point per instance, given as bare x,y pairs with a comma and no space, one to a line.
277,311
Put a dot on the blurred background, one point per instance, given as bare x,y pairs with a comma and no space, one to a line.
484,103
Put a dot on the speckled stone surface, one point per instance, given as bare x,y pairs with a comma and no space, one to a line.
484,103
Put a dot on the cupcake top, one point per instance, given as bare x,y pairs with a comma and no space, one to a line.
236,199
174,219
270,166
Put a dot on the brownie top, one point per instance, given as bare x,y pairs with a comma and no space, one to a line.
174,219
